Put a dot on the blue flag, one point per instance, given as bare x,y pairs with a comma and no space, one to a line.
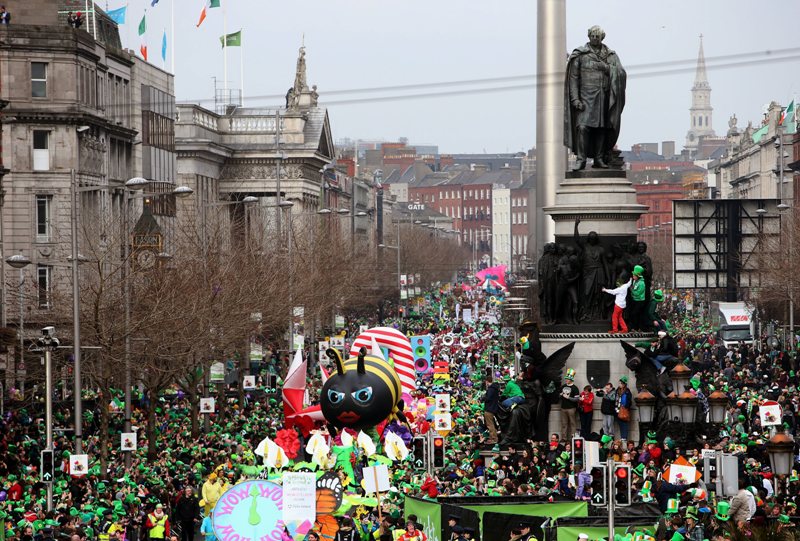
118,15
153,3
164,46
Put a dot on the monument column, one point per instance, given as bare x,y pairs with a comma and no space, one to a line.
551,51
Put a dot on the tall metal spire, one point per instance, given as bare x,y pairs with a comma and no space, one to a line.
700,76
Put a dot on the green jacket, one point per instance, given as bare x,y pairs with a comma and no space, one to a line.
637,291
512,390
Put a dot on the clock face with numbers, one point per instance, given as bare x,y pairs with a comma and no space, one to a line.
250,510
145,259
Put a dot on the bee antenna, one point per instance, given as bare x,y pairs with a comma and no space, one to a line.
362,353
337,359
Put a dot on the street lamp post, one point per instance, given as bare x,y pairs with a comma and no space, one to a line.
19,261
399,283
780,448
76,314
784,207
135,184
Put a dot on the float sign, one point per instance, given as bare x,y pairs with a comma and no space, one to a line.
250,510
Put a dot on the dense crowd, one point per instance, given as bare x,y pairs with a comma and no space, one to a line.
171,496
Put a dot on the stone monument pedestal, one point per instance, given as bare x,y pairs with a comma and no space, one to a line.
604,201
598,358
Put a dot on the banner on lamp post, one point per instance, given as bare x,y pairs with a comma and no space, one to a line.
217,373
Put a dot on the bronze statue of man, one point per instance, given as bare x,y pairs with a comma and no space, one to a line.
594,96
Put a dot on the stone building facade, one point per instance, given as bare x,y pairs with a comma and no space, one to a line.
271,154
750,168
76,106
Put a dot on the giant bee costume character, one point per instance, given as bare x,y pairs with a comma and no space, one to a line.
364,391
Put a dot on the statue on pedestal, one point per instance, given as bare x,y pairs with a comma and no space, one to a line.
594,275
547,270
300,82
594,96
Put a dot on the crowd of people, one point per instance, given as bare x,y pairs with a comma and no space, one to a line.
171,496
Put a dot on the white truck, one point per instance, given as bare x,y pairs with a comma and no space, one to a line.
732,322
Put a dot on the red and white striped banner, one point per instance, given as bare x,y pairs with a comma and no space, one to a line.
400,351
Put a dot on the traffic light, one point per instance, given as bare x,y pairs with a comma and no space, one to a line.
272,383
48,468
438,452
401,312
599,486
622,485
578,453
419,448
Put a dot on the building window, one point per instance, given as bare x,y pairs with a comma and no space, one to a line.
41,151
43,208
43,273
38,79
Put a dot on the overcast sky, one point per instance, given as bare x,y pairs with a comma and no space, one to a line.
362,44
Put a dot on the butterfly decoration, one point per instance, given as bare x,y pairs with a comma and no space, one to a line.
329,497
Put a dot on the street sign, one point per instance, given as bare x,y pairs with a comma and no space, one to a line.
47,467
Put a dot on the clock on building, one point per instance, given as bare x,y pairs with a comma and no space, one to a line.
145,258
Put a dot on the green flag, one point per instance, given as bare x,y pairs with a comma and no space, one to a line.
213,3
231,40
143,25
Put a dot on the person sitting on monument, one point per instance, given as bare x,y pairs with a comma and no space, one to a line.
662,350
512,394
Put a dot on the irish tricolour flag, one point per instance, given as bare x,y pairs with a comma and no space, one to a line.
209,4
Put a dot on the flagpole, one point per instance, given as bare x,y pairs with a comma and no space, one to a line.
172,30
94,21
225,50
241,60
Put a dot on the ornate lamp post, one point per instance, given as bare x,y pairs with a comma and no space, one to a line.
780,448
680,376
718,402
646,404
682,411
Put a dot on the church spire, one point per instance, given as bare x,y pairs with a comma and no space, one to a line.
700,113
700,77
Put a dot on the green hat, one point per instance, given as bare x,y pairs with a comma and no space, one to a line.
638,270
673,504
658,295
639,470
624,379
741,418
651,437
691,512
695,382
606,439
722,511
784,519
570,374
677,536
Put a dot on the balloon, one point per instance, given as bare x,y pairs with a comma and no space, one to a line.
363,391
3,495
